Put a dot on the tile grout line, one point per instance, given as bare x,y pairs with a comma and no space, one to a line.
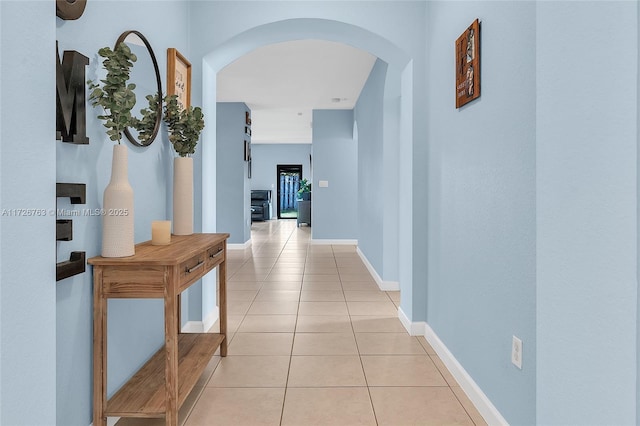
293,340
364,374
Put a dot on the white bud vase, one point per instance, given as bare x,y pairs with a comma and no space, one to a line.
117,219
183,196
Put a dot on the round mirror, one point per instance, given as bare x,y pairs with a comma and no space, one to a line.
142,74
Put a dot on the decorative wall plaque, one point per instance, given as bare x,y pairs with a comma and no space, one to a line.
468,65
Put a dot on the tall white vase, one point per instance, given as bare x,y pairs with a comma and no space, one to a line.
183,196
117,219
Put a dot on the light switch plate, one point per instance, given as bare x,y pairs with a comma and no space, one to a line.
323,183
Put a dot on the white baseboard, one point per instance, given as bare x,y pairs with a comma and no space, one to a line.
193,327
413,328
201,326
244,246
488,411
111,421
319,241
383,285
211,319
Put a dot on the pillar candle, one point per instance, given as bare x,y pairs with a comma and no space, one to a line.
160,232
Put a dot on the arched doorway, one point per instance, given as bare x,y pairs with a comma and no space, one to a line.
395,241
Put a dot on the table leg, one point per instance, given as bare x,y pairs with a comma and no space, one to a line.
171,366
222,276
99,350
179,315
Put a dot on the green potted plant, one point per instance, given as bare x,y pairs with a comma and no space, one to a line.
116,98
304,192
184,126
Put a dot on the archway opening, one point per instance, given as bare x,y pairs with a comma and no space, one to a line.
396,137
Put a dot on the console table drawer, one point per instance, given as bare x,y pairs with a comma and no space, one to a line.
192,269
139,282
215,255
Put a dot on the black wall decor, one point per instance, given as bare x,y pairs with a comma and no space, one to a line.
77,193
70,9
74,266
71,111
64,230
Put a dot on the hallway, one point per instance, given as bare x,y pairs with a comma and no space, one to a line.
314,341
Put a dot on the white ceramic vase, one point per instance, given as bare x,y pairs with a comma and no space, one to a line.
117,218
183,196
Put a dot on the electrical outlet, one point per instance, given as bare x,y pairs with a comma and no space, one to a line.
516,352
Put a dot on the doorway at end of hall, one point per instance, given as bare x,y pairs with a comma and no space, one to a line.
288,178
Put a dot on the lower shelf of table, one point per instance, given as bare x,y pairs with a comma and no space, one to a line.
144,394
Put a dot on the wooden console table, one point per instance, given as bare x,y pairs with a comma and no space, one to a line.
161,386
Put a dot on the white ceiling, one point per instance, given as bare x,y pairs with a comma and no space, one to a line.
282,83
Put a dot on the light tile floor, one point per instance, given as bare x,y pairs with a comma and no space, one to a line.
313,341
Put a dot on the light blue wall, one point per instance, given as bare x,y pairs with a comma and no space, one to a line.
405,200
371,196
27,244
233,191
266,158
334,209
482,205
532,219
391,188
586,126
135,328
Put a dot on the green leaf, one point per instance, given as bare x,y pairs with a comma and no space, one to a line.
114,95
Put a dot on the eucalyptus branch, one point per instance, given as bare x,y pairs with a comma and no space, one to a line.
115,96
147,124
184,125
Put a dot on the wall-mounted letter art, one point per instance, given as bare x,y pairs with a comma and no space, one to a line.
178,77
468,65
77,194
71,110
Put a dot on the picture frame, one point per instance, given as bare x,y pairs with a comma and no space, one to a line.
247,150
179,77
468,65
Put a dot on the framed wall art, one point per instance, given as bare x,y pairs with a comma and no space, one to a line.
468,65
178,77
247,150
